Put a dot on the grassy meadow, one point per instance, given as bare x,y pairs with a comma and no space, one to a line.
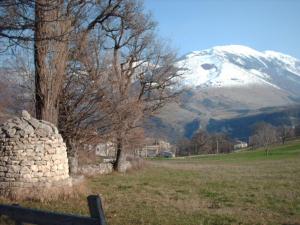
239,188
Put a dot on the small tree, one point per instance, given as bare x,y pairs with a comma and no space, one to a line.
264,135
221,143
284,132
297,131
13,96
201,142
184,147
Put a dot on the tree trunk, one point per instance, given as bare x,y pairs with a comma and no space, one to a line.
118,161
46,109
283,140
72,156
267,151
50,57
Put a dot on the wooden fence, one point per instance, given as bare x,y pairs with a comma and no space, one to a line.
32,216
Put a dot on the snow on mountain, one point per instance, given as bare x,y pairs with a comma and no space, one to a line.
237,65
234,82
292,64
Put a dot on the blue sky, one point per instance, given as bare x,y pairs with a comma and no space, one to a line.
201,24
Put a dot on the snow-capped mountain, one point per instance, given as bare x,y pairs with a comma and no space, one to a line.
236,65
228,82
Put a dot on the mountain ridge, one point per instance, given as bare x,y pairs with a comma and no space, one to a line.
228,82
237,65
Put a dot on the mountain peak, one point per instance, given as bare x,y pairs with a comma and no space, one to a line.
237,49
238,65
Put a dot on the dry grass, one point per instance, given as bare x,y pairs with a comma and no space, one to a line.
244,188
47,194
137,164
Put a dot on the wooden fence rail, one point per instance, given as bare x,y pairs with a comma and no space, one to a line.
24,215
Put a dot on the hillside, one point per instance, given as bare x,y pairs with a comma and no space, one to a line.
229,82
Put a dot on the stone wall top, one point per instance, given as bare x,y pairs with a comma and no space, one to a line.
27,126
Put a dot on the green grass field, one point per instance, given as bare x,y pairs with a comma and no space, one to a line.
239,188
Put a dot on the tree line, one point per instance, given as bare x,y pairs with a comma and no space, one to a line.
203,142
263,136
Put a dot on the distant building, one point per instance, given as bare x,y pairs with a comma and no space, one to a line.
239,145
149,151
155,149
107,149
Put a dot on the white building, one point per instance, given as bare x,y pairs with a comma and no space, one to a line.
240,145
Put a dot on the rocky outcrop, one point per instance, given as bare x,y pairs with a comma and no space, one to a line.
32,153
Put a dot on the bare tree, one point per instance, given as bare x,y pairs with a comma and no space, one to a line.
50,28
221,143
183,147
13,95
99,69
79,114
142,75
48,25
264,135
284,132
133,72
205,143
201,142
297,130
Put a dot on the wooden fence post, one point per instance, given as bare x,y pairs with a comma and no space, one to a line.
96,210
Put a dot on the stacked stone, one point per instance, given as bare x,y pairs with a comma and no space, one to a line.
91,170
32,154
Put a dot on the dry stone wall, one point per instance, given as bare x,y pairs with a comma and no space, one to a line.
103,168
92,170
32,153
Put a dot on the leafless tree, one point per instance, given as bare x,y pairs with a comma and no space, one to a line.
221,143
205,143
118,75
264,135
184,147
14,94
48,26
99,70
297,130
284,132
142,75
201,142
